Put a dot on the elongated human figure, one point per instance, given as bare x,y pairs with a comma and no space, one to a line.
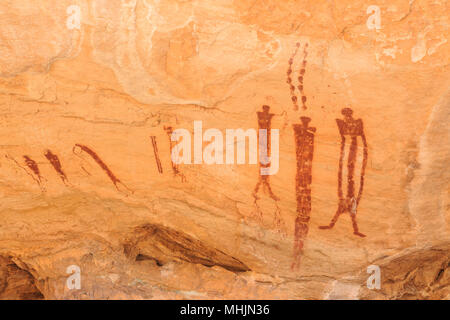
353,130
264,142
304,150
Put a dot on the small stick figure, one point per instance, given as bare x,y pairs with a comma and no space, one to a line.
353,129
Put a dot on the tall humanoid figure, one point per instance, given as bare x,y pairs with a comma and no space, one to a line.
351,129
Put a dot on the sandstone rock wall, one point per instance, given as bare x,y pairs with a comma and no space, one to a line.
86,84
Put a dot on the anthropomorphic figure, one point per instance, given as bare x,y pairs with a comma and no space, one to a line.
264,143
351,129
304,150
264,122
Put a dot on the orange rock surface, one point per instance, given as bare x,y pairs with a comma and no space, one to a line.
86,84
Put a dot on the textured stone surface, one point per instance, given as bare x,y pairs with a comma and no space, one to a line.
136,67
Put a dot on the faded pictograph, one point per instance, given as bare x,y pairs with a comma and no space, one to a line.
30,167
350,129
175,166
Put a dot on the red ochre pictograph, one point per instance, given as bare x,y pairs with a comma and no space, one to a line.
35,173
300,78
79,148
33,166
155,151
54,161
353,129
289,77
175,169
304,143
265,122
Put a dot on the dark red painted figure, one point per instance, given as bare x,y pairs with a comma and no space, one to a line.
351,128
35,173
300,78
265,123
155,151
304,142
100,162
54,161
289,77
33,167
